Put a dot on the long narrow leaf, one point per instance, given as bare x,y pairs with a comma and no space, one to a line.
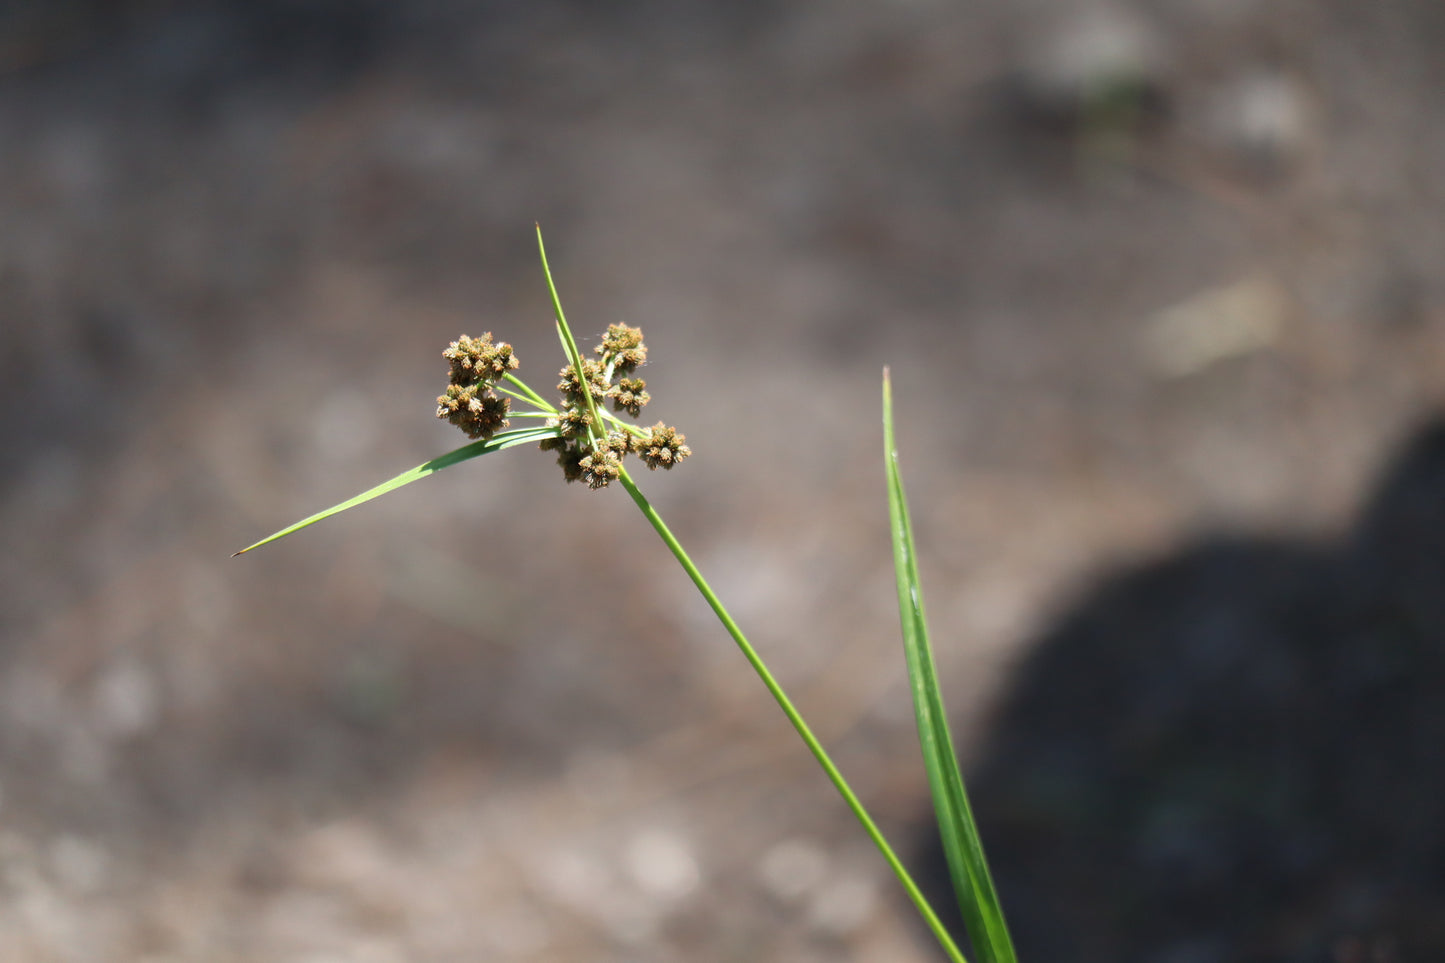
569,343
972,882
945,939
505,439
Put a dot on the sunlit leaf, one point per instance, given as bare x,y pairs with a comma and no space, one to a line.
982,914
499,441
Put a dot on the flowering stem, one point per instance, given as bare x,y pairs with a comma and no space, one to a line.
786,704
525,389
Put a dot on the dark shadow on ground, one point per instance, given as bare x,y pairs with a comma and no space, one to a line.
1235,752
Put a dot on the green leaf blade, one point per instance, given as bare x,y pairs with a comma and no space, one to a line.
569,343
972,882
498,442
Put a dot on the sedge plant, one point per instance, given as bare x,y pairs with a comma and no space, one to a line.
591,443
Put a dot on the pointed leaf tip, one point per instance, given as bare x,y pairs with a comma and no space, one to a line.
498,442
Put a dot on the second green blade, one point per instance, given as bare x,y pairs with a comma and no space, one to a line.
972,882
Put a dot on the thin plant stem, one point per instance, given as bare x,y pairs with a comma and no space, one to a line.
786,704
527,394
569,345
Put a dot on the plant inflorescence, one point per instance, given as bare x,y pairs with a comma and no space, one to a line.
589,440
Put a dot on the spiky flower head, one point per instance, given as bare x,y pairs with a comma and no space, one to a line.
619,441
663,448
478,360
572,422
623,346
474,409
600,467
629,395
571,388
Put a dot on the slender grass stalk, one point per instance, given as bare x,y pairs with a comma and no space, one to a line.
796,718
527,391
751,654
972,882
666,442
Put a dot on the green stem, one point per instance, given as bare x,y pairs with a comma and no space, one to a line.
621,425
569,345
786,704
525,389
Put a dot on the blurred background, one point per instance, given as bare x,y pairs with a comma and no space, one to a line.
1159,285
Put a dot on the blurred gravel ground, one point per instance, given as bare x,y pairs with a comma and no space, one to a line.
1142,271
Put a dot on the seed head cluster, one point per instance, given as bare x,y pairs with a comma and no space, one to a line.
622,347
662,448
469,402
593,454
629,395
571,386
588,451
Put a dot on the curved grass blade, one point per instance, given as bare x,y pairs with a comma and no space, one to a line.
972,882
504,439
